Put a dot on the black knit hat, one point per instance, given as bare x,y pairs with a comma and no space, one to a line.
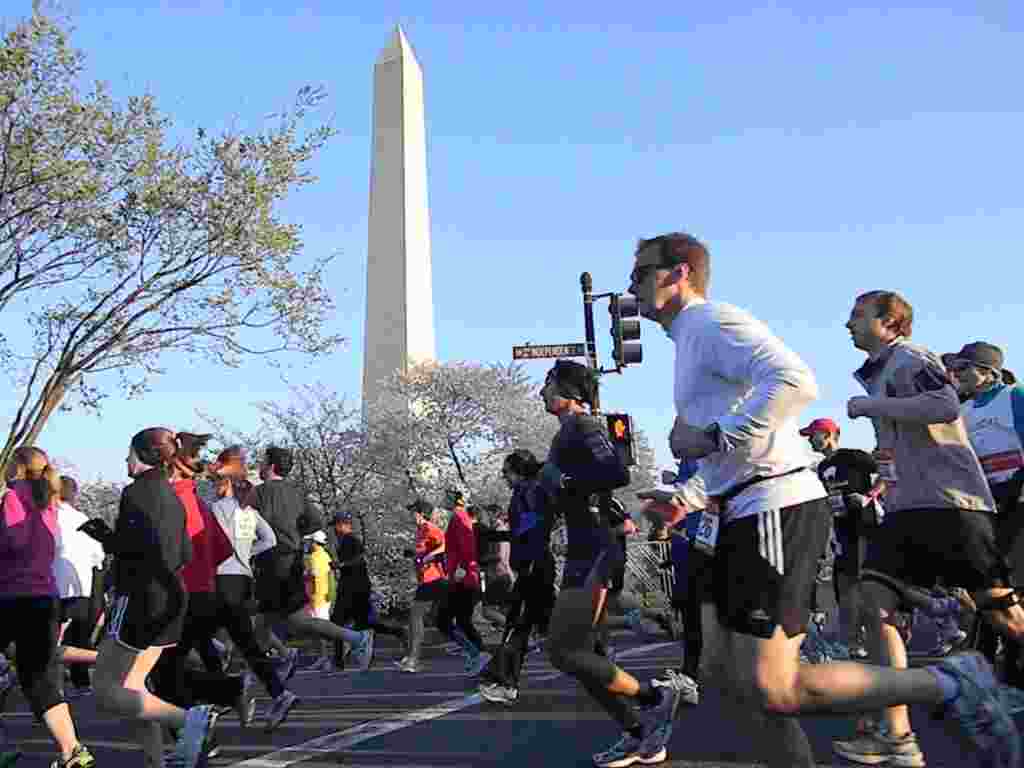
574,381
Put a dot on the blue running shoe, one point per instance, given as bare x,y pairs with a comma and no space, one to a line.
980,711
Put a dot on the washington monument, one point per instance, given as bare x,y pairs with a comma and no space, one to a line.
399,295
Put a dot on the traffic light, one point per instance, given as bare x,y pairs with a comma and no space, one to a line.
620,431
625,328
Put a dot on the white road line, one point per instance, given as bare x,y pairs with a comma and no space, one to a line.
357,734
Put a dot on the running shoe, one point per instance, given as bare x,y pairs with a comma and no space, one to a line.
245,706
362,653
408,665
978,709
323,664
858,652
626,751
876,747
685,686
286,664
634,620
194,737
212,747
279,709
499,694
948,645
80,758
7,682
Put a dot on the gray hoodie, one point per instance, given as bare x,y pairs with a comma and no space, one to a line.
922,443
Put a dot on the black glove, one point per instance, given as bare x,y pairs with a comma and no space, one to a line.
407,552
98,529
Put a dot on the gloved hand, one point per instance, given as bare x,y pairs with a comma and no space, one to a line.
551,478
408,552
97,529
857,500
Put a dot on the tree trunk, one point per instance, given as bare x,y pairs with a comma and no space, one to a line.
52,395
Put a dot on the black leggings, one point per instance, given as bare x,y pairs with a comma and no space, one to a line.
80,612
571,642
173,683
532,601
456,613
698,592
31,623
234,596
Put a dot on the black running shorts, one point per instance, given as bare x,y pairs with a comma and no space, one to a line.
922,546
148,617
765,568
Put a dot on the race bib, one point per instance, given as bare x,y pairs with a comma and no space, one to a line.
838,504
706,536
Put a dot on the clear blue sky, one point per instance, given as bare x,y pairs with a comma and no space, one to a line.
819,150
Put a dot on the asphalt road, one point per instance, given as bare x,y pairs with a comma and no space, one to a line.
432,719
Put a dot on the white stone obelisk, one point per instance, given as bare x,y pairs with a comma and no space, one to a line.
399,296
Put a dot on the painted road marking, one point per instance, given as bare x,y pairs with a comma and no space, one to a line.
357,734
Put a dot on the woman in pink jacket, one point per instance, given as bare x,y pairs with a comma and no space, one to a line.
28,596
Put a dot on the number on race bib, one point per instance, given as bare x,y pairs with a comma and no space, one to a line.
707,532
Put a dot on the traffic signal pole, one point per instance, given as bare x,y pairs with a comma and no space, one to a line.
587,286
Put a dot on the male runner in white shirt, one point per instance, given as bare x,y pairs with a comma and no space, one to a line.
738,393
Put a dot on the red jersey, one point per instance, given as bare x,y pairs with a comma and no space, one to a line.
210,545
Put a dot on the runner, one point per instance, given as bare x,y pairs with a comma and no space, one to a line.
455,617
738,393
77,565
679,507
250,535
353,604
993,414
280,585
150,547
581,463
28,597
534,566
432,586
849,476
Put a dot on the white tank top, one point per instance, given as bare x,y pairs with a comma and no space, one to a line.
994,436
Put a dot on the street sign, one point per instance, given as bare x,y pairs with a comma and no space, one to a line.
536,351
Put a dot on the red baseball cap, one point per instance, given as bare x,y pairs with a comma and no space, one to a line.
820,425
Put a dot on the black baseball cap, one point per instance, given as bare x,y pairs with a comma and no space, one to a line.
343,517
983,354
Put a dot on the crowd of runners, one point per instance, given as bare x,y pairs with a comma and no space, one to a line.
926,520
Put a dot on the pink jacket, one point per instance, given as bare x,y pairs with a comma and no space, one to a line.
28,545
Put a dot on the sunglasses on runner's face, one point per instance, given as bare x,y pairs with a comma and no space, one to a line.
961,364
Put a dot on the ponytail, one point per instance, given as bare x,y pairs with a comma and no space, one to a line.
44,479
46,488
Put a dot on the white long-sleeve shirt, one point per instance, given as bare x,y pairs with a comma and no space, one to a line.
76,554
733,371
